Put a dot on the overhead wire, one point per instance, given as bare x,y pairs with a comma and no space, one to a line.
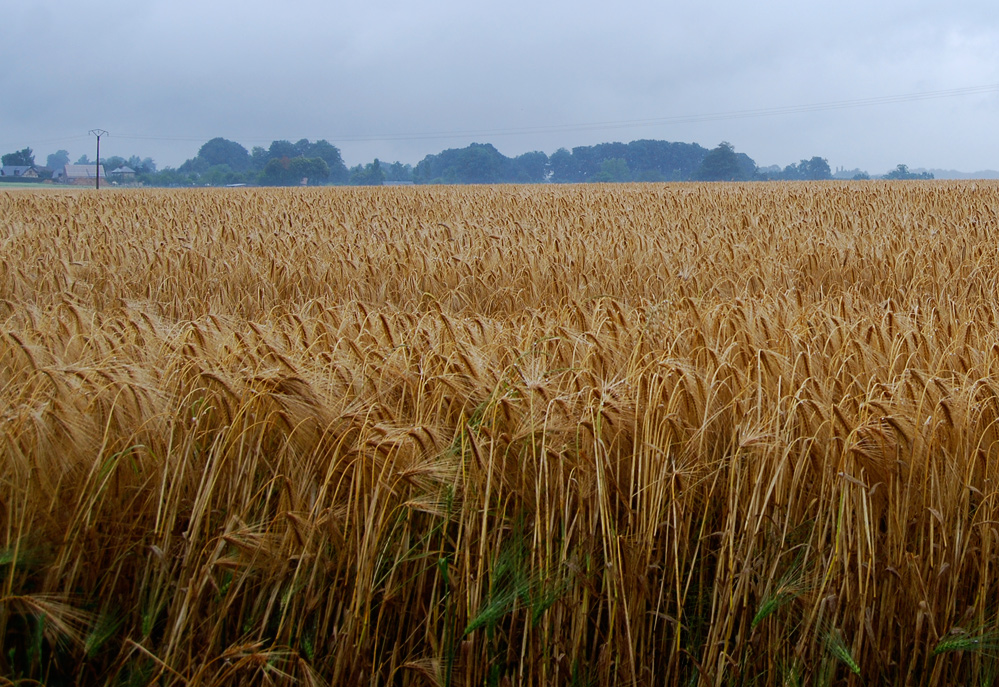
593,126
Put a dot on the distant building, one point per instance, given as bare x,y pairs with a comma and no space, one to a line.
21,171
81,174
123,174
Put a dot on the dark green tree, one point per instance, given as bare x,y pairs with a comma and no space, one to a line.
479,163
613,169
309,170
791,173
722,164
303,147
529,168
562,166
330,154
277,172
589,159
816,169
902,172
281,149
398,172
171,178
21,158
221,151
259,158
647,160
112,163
369,175
142,165
294,171
664,161
220,175
57,160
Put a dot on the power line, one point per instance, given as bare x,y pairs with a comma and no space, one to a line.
690,119
603,125
632,123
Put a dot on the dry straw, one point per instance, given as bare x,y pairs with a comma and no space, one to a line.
635,434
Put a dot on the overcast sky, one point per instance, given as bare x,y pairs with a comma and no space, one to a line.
911,82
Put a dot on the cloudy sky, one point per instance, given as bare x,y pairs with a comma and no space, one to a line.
864,84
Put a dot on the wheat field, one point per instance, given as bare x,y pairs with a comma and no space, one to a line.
682,434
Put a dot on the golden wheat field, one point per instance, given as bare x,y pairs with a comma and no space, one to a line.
594,435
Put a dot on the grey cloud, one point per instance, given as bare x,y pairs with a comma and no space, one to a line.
174,74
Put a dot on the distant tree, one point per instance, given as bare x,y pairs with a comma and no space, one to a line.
310,170
369,175
84,160
113,163
815,169
221,175
276,172
613,169
647,160
221,151
24,158
479,163
259,158
650,160
281,149
330,154
398,172
562,166
721,164
529,168
902,172
142,165
791,173
589,159
57,160
661,160
285,171
171,177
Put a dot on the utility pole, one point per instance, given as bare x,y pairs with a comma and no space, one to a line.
97,167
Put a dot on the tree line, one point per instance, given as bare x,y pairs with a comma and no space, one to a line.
222,162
